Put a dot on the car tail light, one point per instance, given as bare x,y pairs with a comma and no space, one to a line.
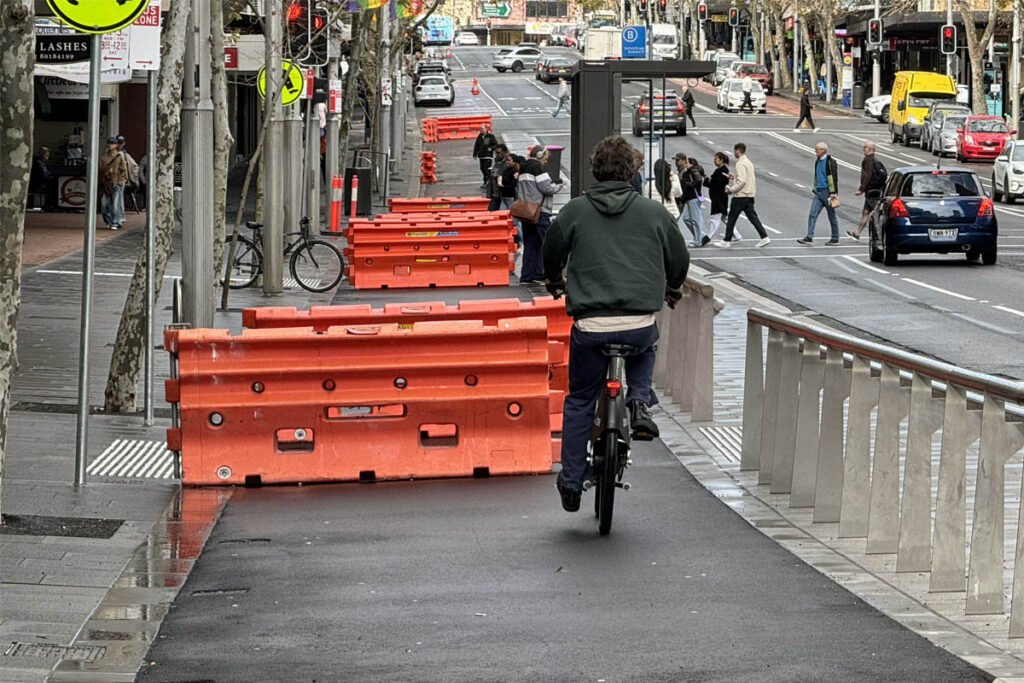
614,386
445,88
897,209
986,207
643,108
679,106
551,69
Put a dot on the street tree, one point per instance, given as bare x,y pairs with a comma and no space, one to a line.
977,41
17,60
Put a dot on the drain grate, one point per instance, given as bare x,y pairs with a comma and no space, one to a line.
74,527
728,440
134,459
48,651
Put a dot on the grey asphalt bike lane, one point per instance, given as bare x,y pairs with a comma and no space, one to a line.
488,580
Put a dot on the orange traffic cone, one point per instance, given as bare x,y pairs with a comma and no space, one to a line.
475,90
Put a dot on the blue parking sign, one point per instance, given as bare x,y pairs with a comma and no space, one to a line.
634,42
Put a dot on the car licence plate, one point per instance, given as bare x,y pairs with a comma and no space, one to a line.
943,234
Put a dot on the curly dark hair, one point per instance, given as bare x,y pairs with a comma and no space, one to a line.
612,159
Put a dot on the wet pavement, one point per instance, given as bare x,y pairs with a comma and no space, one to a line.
488,579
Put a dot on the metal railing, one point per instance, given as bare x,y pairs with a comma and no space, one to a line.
684,367
809,411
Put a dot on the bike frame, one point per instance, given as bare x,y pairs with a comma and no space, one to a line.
611,417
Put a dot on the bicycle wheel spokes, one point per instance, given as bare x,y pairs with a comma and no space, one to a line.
246,265
317,266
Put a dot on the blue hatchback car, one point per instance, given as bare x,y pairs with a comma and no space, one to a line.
924,209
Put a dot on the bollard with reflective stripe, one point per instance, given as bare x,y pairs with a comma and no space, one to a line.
337,188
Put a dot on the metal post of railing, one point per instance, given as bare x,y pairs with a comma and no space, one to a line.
828,484
883,507
853,519
805,459
772,379
753,397
788,398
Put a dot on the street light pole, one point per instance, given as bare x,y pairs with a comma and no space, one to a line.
949,58
273,157
1015,69
733,30
876,65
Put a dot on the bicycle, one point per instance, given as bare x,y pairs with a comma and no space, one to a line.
315,264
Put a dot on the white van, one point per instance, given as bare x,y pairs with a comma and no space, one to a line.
664,41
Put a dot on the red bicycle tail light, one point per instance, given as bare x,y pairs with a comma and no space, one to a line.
679,106
897,209
614,386
986,208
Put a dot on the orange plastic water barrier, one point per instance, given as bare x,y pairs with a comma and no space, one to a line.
435,204
426,230
429,129
427,167
432,399
461,127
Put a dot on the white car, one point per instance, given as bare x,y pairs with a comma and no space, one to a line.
433,89
722,62
516,58
878,107
1008,173
467,38
730,96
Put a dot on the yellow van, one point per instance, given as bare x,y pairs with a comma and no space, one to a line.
912,93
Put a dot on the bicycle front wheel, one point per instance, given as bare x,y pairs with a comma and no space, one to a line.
247,264
606,486
317,266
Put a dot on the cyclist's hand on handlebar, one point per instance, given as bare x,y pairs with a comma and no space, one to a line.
555,289
672,296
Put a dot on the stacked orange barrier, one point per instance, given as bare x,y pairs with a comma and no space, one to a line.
434,399
431,250
460,127
435,204
427,167
429,128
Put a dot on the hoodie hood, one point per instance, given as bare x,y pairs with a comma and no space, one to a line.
611,197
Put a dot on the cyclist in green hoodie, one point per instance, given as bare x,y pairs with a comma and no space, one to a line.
622,256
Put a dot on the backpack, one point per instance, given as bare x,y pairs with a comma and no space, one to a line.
878,176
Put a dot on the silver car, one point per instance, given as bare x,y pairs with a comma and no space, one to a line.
433,89
933,120
516,58
943,141
1008,173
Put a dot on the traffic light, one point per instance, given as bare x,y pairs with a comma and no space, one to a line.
642,4
702,12
296,15
947,39
306,36
874,32
734,16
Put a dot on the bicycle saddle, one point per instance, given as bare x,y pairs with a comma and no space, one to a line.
253,225
619,349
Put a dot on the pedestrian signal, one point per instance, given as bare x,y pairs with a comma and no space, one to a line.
702,12
734,16
874,31
947,39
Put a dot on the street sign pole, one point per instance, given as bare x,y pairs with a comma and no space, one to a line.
876,64
1015,71
331,157
150,243
273,156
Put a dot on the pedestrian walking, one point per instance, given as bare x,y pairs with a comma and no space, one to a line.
483,148
872,179
688,104
716,184
747,85
113,172
825,195
667,187
40,180
493,176
534,188
691,178
637,183
563,97
742,189
805,112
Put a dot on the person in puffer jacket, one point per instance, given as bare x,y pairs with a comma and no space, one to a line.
535,185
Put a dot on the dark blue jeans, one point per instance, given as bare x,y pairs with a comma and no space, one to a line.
533,239
587,369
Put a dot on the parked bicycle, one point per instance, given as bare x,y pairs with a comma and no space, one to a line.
315,264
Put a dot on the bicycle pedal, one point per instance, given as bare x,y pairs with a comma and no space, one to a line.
589,484
643,436
624,485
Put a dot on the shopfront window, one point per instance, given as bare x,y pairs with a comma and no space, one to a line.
546,9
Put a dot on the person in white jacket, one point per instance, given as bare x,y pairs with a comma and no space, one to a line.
563,97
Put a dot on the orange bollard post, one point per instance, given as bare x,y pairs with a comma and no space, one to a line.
336,197
354,198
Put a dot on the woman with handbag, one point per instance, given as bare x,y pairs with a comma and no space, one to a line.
533,206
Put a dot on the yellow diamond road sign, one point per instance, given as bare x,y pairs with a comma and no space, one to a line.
291,87
97,16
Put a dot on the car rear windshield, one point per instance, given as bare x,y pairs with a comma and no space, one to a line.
737,86
928,99
941,184
559,62
755,70
986,126
433,81
953,122
664,40
661,101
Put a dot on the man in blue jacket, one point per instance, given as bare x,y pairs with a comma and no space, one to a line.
824,196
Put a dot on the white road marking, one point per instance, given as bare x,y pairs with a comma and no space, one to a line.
773,175
893,290
796,144
956,295
854,259
803,187
482,90
1007,309
981,323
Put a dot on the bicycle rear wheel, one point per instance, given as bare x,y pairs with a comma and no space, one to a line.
606,485
246,265
317,266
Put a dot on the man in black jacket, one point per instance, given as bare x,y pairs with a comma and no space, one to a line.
622,256
805,112
483,148
688,104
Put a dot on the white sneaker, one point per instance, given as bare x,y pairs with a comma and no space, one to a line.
722,244
796,130
764,241
816,130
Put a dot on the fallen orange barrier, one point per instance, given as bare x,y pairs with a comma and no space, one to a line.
435,204
461,127
433,399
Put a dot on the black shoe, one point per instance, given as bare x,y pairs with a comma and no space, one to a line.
570,498
705,241
641,421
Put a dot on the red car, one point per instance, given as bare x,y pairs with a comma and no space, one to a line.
981,137
759,73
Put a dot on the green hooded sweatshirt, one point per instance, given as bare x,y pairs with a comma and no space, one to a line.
622,250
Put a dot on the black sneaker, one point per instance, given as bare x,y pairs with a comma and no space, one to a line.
641,421
570,498
705,241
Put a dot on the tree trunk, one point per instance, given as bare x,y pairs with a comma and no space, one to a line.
17,60
126,362
976,52
780,51
222,139
808,52
351,84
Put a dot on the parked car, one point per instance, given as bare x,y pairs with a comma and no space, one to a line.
515,58
434,89
933,119
555,68
730,96
429,69
981,137
467,38
1008,173
758,72
722,62
928,210
878,107
667,112
944,142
